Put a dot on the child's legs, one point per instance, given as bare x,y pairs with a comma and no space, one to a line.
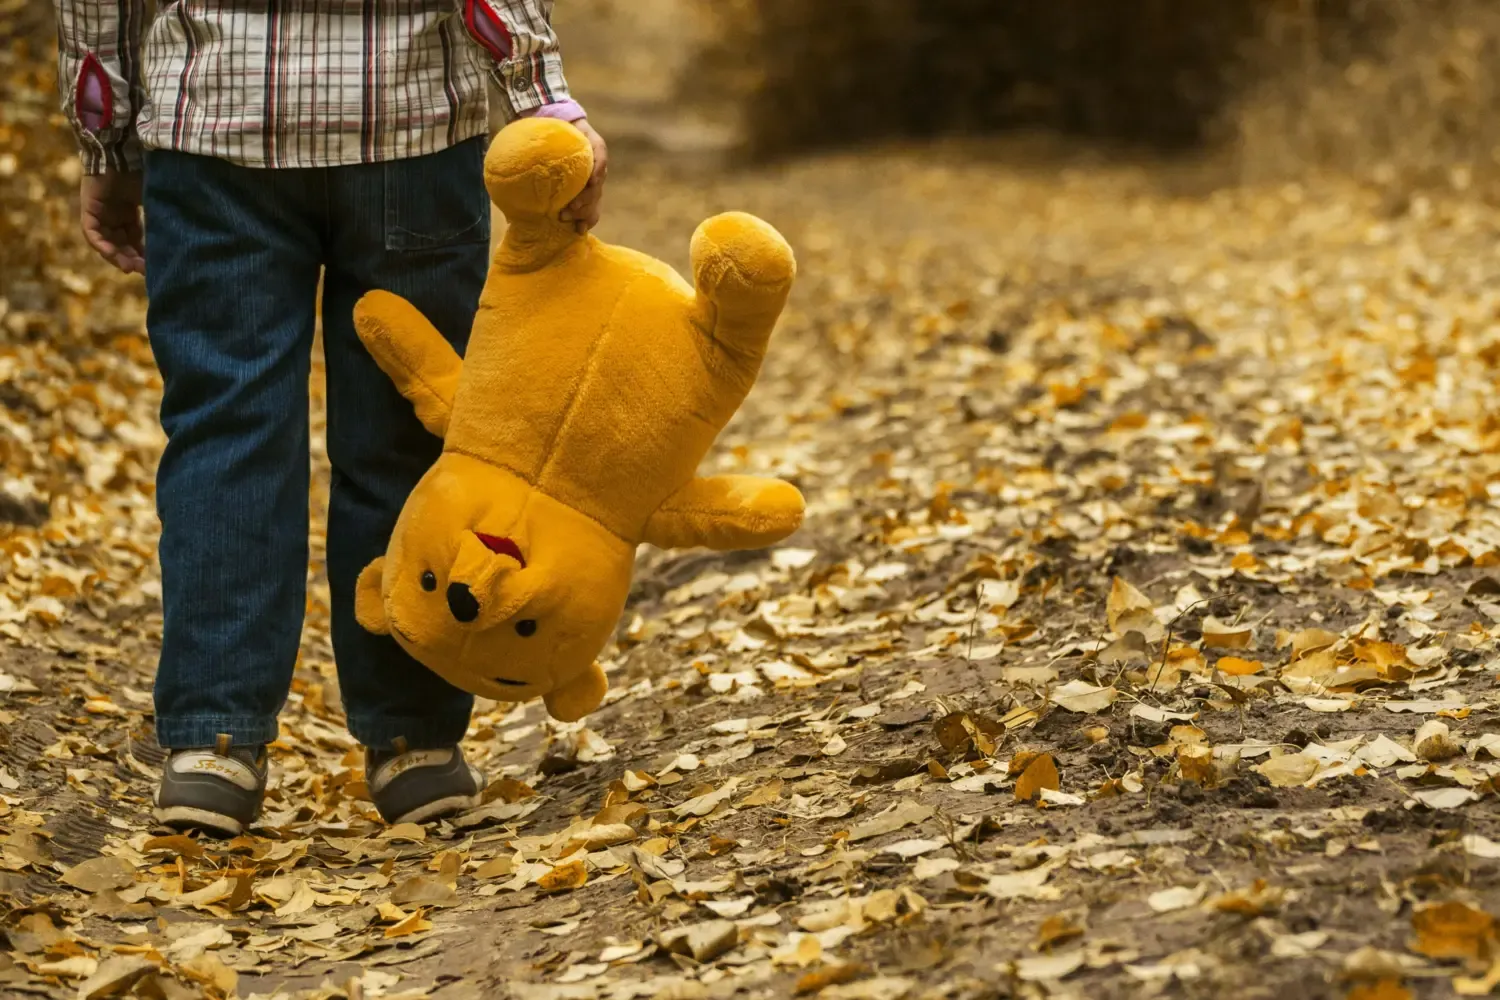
417,227
232,258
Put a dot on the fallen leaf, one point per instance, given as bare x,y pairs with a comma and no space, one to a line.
1176,898
1127,609
98,874
1435,742
1288,770
1380,989
1481,847
413,832
1444,798
211,971
903,814
766,795
114,977
1225,635
1082,697
1055,930
73,967
1479,986
1259,898
1049,968
180,844
703,805
1030,884
832,975
1234,666
1041,773
495,868
415,923
1452,930
424,891
702,942
564,878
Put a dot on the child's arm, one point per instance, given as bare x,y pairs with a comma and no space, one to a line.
518,36
98,46
98,72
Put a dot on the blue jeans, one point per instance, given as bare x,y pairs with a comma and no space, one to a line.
233,256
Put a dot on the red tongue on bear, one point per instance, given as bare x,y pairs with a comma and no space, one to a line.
502,547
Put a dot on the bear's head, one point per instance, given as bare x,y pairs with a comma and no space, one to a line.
500,589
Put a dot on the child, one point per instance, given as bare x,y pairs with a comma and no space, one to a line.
267,143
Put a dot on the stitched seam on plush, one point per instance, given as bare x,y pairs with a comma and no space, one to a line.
504,467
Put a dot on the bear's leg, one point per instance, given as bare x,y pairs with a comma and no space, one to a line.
725,513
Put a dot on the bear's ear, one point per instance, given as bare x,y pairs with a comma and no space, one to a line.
578,697
369,605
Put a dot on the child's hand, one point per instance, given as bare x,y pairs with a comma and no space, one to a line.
110,205
583,212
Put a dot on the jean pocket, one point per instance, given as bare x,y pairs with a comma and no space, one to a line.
438,200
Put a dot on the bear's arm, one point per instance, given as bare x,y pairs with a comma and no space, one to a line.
409,349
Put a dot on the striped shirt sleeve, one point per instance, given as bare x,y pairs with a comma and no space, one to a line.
518,38
98,54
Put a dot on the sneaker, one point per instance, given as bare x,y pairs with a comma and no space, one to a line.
416,786
216,789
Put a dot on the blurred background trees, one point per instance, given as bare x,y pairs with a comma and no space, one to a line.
1390,88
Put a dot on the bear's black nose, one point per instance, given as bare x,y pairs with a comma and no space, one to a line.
462,603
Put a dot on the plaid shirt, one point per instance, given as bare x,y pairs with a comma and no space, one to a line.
300,83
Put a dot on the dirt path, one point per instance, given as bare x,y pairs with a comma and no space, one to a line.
1146,532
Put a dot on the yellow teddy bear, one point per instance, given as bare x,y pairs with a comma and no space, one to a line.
594,383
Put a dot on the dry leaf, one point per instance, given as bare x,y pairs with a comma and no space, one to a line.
1055,930
414,923
1259,898
1236,667
1435,742
211,971
564,878
903,814
1049,968
424,891
1479,986
1288,770
702,942
1452,930
832,975
1129,610
1225,635
114,977
1380,989
98,874
705,804
496,868
1082,697
1041,773
1176,898
1444,798
766,795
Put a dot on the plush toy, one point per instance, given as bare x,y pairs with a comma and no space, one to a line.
594,383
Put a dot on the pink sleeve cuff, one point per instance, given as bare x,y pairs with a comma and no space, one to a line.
568,111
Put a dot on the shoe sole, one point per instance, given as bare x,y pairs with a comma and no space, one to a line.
438,808
189,817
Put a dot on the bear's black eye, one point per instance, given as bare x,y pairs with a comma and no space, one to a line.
429,581
526,628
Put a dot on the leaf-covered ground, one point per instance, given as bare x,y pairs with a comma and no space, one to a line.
1143,640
